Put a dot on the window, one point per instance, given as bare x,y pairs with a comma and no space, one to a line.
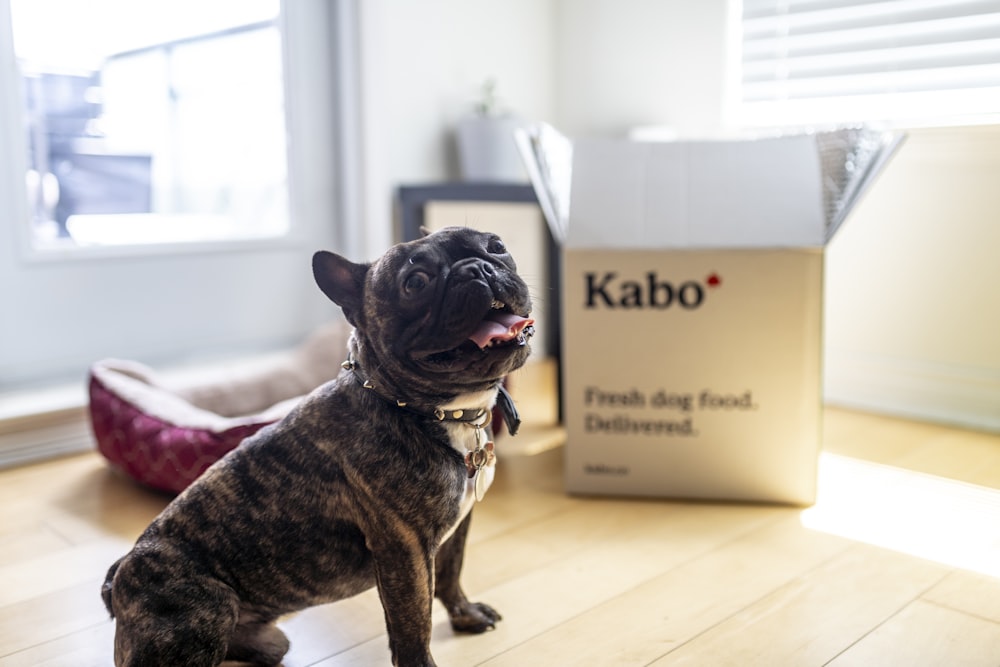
839,61
151,122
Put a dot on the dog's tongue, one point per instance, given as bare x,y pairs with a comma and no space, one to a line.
499,327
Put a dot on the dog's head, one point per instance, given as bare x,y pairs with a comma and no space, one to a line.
442,315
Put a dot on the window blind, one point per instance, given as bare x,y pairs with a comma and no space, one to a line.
839,61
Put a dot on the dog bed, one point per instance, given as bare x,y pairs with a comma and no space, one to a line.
165,434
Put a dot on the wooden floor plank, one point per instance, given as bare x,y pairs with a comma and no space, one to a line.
813,619
922,515
58,570
552,540
966,456
874,437
31,622
28,541
926,635
970,592
91,647
648,621
29,493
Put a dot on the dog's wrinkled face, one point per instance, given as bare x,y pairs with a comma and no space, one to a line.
449,306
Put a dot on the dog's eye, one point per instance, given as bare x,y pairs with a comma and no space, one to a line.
415,282
495,246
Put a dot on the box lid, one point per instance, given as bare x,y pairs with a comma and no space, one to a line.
787,191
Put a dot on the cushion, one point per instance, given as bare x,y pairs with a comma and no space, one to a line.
165,434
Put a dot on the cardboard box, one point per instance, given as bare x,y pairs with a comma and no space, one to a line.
692,307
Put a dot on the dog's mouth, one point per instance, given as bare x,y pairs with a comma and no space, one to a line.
501,328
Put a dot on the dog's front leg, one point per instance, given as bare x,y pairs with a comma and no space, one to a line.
465,616
403,574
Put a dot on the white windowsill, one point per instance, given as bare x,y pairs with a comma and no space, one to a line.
61,250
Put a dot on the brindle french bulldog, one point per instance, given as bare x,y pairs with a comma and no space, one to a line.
368,482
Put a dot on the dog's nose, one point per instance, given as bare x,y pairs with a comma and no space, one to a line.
474,269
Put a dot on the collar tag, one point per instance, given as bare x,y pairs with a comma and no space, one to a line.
482,456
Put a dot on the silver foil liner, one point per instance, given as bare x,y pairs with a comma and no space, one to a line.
849,157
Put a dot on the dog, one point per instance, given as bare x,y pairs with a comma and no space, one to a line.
370,481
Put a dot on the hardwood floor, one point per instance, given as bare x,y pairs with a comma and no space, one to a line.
897,564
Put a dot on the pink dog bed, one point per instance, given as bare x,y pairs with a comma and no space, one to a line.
165,437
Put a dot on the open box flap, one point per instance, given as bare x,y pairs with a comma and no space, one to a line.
791,191
548,159
695,194
851,160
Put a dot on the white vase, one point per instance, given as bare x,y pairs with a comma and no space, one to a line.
487,151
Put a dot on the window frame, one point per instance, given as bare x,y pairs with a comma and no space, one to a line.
306,27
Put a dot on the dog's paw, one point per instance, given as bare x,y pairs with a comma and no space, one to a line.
258,644
474,617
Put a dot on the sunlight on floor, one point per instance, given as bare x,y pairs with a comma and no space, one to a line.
930,517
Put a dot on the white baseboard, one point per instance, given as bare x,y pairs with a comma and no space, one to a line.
46,438
930,391
43,423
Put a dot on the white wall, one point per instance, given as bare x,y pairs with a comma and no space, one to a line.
154,308
421,67
913,285
626,63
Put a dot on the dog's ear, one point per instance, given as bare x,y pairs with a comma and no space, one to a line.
341,280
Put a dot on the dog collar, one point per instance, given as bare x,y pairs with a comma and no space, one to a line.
477,418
